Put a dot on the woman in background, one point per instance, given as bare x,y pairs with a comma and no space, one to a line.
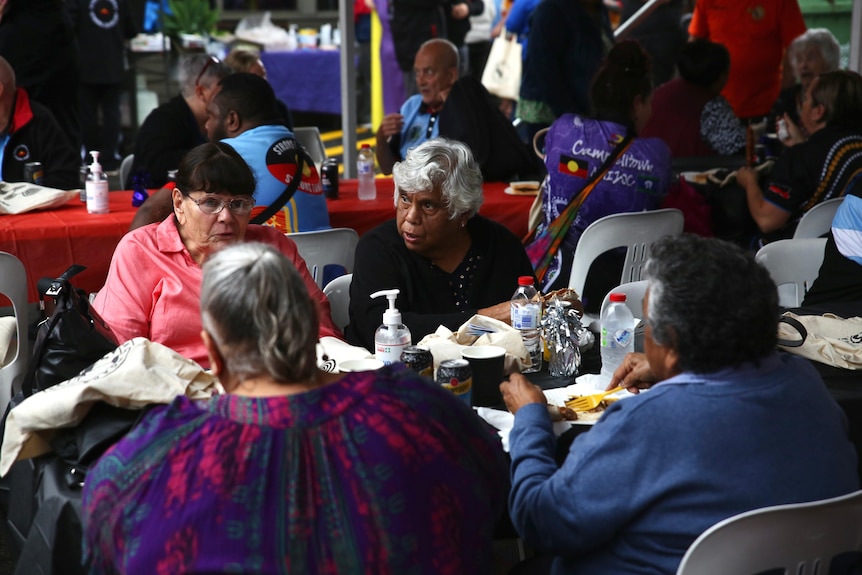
576,147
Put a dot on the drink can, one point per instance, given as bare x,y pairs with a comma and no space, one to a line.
329,178
419,359
33,173
456,376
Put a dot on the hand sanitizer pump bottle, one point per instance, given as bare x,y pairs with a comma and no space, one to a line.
392,336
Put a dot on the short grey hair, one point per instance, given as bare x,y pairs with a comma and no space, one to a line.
190,67
445,165
256,308
711,302
823,40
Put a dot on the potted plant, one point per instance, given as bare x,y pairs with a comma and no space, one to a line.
189,17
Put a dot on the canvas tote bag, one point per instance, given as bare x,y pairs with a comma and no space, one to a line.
502,75
827,338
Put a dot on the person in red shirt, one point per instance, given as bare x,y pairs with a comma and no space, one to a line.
757,34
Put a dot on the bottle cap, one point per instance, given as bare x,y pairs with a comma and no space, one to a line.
617,297
525,281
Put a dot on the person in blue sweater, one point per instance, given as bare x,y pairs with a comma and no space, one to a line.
728,425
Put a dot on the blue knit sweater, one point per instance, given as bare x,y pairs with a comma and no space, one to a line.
662,467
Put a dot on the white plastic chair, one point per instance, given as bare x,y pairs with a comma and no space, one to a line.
801,538
311,140
338,293
793,265
13,284
322,247
635,231
817,221
125,168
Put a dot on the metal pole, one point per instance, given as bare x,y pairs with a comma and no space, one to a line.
635,20
348,86
856,37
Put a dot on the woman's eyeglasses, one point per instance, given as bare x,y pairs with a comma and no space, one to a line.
213,61
212,205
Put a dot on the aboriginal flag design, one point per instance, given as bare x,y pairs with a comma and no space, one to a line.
574,167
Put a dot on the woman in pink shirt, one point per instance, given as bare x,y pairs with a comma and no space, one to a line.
153,286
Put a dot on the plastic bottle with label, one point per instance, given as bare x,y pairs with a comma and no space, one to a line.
526,311
617,336
392,336
365,173
97,187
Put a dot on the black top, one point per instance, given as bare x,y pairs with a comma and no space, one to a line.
40,139
101,29
167,133
426,300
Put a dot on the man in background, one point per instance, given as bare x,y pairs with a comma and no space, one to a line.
177,126
101,30
460,109
244,115
30,133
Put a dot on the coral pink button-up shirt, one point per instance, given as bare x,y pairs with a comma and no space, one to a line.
154,286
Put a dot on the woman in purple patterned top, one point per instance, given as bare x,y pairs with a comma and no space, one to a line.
294,470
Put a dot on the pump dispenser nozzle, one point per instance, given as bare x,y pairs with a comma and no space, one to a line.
391,316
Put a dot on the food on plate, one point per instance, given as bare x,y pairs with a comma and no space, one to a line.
564,294
592,414
525,187
558,413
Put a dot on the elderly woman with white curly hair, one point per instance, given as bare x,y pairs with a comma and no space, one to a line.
449,262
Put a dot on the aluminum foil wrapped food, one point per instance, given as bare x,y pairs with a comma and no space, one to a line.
562,331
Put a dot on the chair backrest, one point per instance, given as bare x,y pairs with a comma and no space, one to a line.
793,265
801,538
338,293
817,221
13,284
336,246
635,231
125,168
311,140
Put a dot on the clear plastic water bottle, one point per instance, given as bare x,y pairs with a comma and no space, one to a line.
526,312
365,168
617,337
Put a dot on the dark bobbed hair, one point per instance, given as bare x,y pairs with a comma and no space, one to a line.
257,309
711,302
215,168
702,62
625,73
840,92
250,96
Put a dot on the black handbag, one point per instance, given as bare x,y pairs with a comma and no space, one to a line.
72,338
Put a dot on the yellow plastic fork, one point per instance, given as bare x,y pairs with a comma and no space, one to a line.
589,402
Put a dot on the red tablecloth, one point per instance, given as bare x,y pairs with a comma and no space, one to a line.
48,242
349,212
